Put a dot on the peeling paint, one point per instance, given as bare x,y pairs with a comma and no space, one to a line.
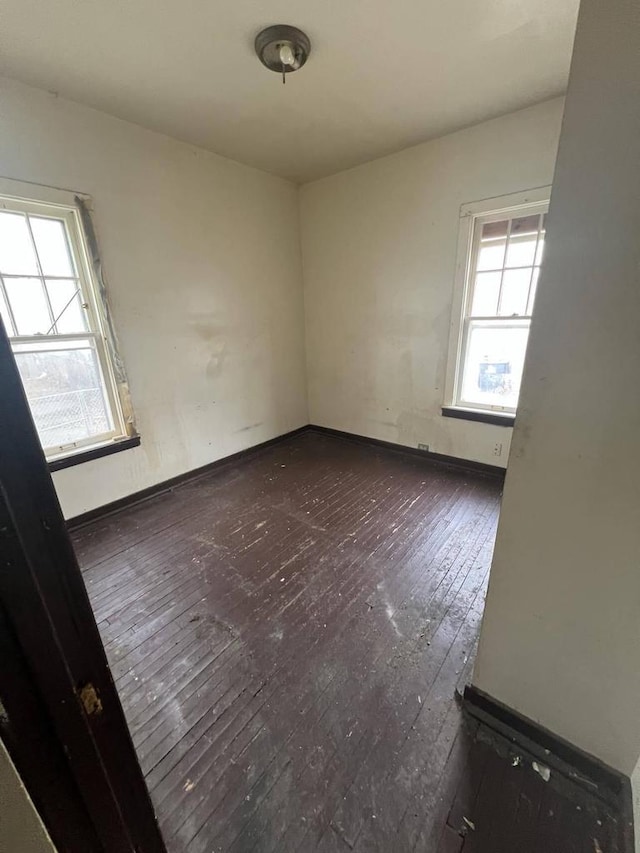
90,699
111,339
541,770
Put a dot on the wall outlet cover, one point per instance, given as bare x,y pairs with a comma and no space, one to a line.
423,447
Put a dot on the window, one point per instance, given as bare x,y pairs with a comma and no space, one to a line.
502,251
55,321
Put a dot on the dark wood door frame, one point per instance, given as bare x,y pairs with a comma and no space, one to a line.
60,715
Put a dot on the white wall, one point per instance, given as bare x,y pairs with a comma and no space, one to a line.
379,253
202,260
560,640
203,266
21,830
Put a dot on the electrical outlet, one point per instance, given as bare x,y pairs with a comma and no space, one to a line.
423,447
497,450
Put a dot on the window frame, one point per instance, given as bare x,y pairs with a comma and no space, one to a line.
472,216
63,205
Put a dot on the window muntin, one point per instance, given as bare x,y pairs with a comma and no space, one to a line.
49,306
503,266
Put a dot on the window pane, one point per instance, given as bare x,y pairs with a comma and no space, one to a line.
493,364
29,305
492,244
16,249
485,294
523,225
540,249
4,312
64,390
534,287
66,303
51,242
515,290
521,251
495,230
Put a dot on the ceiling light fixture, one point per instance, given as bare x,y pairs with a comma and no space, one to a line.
282,48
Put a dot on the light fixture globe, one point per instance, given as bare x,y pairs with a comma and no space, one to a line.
282,48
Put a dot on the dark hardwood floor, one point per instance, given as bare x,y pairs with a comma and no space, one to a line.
287,636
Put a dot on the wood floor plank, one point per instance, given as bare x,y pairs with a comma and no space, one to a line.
287,636
357,699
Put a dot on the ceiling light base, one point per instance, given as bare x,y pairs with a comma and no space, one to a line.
268,44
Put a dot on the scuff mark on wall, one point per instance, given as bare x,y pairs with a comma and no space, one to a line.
216,361
415,426
251,426
522,435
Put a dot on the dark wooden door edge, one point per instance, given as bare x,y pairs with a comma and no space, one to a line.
39,756
561,756
49,629
426,455
173,482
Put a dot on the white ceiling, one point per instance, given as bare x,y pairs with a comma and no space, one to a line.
382,75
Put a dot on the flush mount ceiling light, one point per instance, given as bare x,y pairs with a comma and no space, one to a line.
282,48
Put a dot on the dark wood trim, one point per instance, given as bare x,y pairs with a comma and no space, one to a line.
494,418
555,752
167,485
426,455
49,629
93,453
134,441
